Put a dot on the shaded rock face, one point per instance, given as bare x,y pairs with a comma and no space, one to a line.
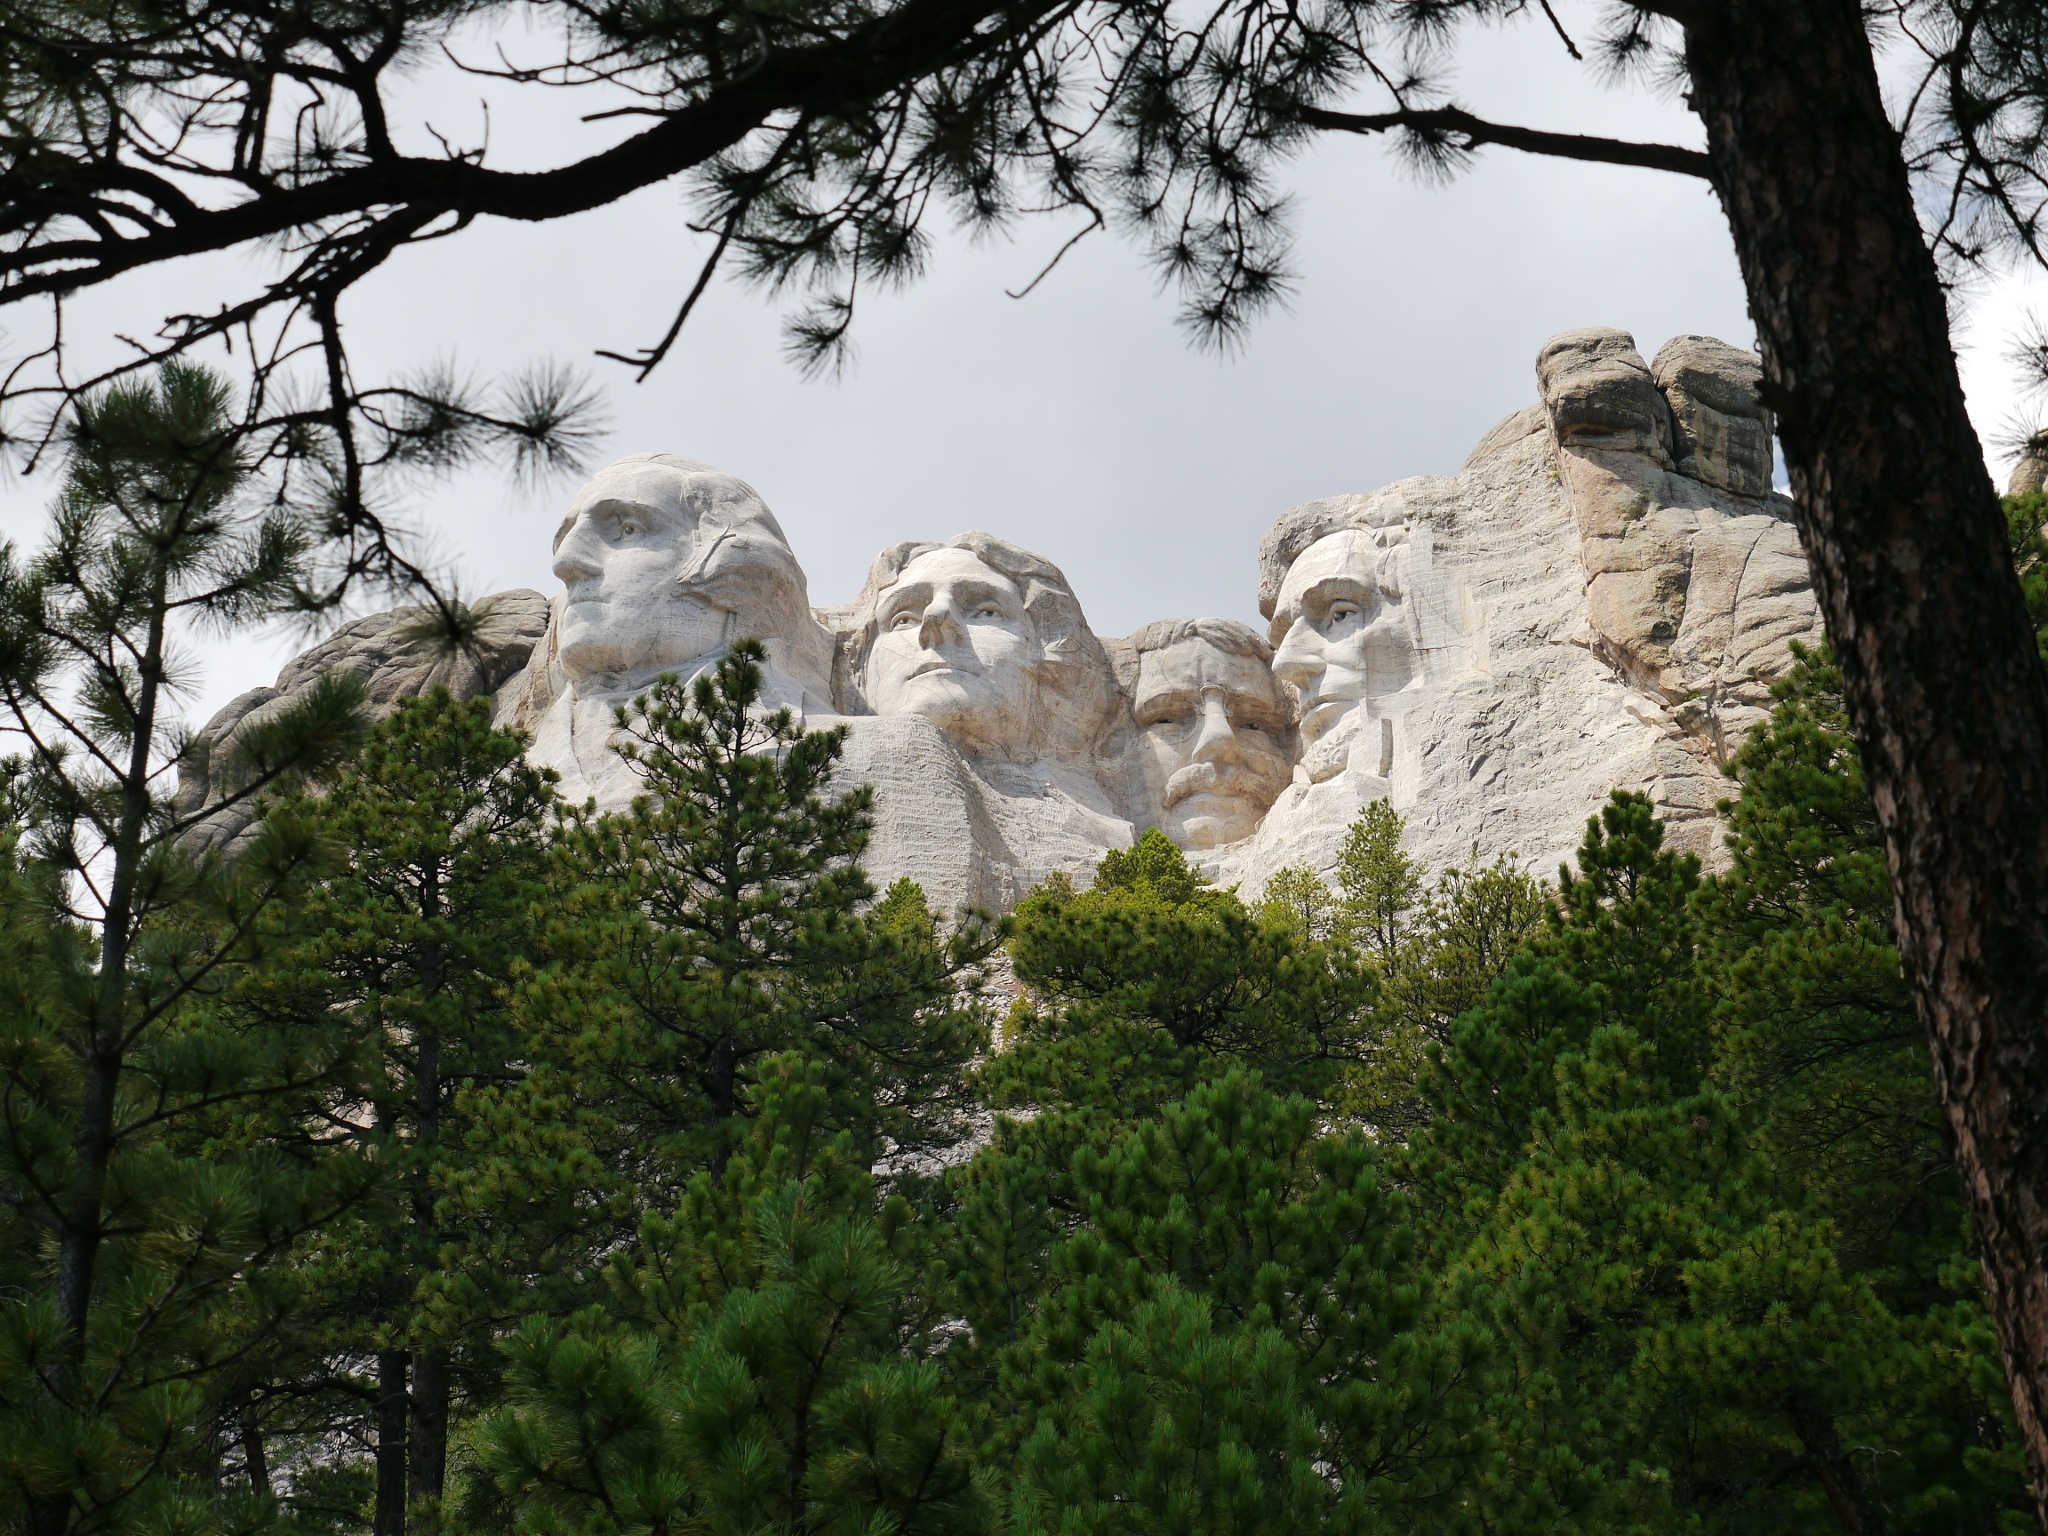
1599,599
394,656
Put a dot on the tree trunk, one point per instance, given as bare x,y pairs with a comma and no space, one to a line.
427,1452
1830,1463
427,1445
389,1518
256,1463
1907,544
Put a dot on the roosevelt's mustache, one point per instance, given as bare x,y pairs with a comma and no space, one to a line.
1219,778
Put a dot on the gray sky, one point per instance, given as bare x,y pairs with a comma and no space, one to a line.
1078,422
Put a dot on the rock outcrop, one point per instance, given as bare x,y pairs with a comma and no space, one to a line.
395,655
1601,597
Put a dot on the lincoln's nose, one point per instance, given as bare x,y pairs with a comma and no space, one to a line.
1299,660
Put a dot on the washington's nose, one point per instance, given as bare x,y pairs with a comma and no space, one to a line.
1299,660
1216,738
576,555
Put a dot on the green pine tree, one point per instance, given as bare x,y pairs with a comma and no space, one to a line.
1379,884
148,1227
1232,1336
1152,981
763,1368
442,832
720,923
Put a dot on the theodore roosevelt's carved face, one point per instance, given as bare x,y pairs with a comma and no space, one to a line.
953,643
1214,736
1339,635
663,564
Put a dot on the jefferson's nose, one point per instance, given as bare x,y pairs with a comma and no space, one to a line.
577,554
1216,739
1299,659
940,624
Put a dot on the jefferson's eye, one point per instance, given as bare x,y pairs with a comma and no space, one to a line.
988,611
1339,612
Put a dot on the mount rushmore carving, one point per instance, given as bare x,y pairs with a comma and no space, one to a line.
1600,598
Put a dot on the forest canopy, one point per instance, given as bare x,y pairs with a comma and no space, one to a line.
457,1159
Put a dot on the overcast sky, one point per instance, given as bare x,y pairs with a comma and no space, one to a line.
1078,422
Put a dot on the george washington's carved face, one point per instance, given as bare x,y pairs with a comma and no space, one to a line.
1214,737
663,564
953,643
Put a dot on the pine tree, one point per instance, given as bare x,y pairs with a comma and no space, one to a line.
765,1372
1380,884
1437,948
1152,981
1817,1039
152,1225
442,827
2026,528
1689,1339
1234,1336
720,923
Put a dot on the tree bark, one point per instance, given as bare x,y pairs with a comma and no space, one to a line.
427,1443
1838,1480
1904,533
389,1516
254,1460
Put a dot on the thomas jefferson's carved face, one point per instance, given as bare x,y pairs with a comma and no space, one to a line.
1214,740
1339,635
953,643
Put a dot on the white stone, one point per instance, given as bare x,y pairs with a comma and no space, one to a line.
1215,731
664,562
1596,619
1599,599
987,642
394,655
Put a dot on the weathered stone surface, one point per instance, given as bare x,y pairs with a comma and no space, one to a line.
987,642
1498,719
1600,598
1724,432
395,655
664,561
1215,736
1599,394
2031,472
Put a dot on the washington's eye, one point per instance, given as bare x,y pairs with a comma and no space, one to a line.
904,620
988,611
